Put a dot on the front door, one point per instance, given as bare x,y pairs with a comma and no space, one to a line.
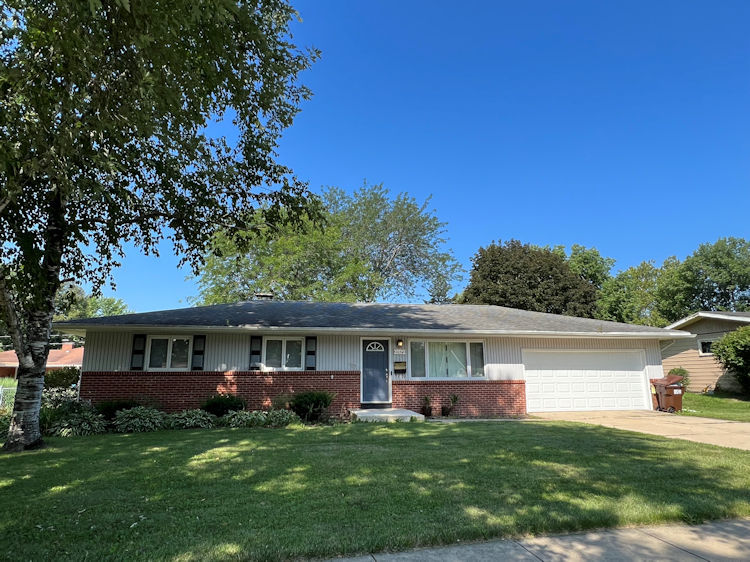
375,374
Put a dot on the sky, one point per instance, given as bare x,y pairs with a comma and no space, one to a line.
618,125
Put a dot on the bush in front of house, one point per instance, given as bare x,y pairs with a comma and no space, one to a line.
59,404
85,422
245,418
109,408
733,352
59,397
221,404
191,419
64,377
139,419
311,406
281,418
4,424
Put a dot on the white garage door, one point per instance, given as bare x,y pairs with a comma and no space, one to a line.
585,380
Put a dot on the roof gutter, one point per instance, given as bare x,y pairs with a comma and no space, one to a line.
82,328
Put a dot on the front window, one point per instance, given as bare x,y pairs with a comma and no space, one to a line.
446,359
705,347
169,352
283,353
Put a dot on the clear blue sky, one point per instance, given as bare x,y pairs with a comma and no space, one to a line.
623,126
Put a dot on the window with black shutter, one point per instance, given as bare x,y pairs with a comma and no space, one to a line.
256,352
311,348
199,351
138,353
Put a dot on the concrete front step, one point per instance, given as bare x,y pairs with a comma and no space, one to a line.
385,415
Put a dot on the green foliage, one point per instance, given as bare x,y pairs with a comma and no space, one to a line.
681,372
733,352
631,296
64,377
312,406
369,246
105,141
109,408
281,418
85,422
530,278
72,302
714,277
59,397
139,419
221,404
245,418
4,423
189,419
587,263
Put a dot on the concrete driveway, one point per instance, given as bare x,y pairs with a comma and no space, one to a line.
701,430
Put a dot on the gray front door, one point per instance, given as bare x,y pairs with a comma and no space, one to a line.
375,375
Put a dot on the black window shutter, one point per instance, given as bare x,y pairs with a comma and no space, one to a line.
256,349
199,351
138,353
311,349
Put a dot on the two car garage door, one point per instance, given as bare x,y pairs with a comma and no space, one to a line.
585,380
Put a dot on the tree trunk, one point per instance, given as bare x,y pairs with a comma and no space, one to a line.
25,432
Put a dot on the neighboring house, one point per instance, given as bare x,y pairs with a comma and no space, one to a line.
499,361
66,356
695,355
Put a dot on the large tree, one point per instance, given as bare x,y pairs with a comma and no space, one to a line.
630,296
105,114
528,277
588,263
72,302
714,277
370,246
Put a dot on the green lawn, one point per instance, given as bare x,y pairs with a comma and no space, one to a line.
725,407
266,494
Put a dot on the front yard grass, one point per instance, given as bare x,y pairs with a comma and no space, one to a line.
324,491
721,406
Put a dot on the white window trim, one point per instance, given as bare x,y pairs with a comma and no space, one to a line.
700,347
427,360
168,337
283,354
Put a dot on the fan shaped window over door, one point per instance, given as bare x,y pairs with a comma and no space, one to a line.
375,346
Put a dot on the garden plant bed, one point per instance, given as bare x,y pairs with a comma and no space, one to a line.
344,489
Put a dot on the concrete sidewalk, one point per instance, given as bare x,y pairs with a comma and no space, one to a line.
719,540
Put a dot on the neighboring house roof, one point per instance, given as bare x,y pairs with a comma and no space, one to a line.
68,356
369,318
742,317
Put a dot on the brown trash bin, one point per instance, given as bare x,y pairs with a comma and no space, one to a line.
668,393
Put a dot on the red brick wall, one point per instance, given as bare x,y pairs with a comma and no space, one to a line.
477,398
175,391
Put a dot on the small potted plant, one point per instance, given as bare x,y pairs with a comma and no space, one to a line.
426,407
448,409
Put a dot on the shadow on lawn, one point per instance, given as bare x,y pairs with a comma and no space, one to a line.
357,488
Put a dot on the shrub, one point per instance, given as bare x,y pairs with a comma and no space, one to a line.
64,377
733,352
110,407
189,419
221,404
681,372
85,422
58,397
4,424
244,418
139,419
312,406
281,418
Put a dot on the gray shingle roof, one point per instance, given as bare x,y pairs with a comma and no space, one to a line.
720,314
369,317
